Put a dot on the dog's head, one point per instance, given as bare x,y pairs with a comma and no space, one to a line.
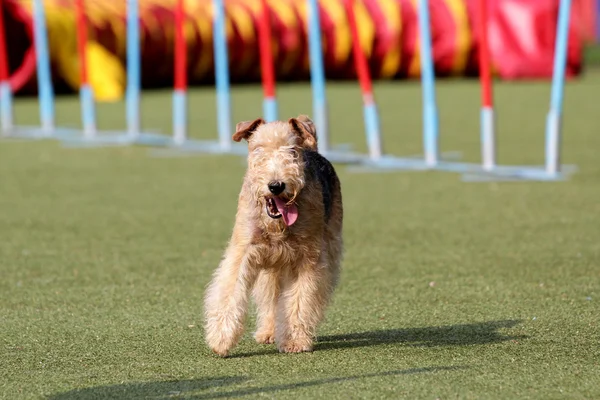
276,162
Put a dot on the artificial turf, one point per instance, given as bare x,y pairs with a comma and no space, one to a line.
449,289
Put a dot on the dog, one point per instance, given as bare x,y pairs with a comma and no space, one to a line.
286,245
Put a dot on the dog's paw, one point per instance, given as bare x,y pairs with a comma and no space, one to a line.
220,346
221,338
264,337
221,351
296,346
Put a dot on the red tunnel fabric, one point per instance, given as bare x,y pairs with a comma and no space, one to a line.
521,32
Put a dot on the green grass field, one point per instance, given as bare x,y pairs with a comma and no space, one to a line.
449,289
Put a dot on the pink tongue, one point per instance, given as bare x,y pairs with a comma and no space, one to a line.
289,213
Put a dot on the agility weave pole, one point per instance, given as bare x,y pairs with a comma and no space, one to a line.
46,96
488,125
430,160
180,103
6,112
317,76
341,153
179,139
86,95
88,135
554,119
47,128
375,158
430,110
552,169
488,170
91,136
270,112
182,144
371,116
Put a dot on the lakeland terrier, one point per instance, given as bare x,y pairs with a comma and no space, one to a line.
286,245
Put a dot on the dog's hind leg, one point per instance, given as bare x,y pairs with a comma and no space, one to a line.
266,292
226,301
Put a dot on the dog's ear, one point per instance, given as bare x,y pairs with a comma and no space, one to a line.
245,129
306,131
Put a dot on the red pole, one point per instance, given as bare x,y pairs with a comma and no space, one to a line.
81,40
266,55
3,50
180,48
485,75
360,61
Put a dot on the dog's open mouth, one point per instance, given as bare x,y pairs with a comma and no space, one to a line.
272,210
278,208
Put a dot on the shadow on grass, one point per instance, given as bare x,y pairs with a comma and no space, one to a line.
451,335
317,382
148,390
189,388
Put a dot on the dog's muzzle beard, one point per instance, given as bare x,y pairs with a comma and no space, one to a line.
271,207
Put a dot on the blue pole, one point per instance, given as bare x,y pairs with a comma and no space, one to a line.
133,69
46,92
317,76
488,141
554,118
6,113
222,76
88,114
179,116
371,117
430,112
270,109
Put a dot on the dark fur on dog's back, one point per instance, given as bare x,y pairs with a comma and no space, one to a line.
317,166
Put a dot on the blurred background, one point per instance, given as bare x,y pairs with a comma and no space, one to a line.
521,33
449,289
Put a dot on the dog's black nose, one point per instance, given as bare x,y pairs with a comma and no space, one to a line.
276,187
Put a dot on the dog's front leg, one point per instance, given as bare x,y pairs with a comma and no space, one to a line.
266,292
301,307
226,300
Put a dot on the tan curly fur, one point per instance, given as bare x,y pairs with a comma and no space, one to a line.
290,270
